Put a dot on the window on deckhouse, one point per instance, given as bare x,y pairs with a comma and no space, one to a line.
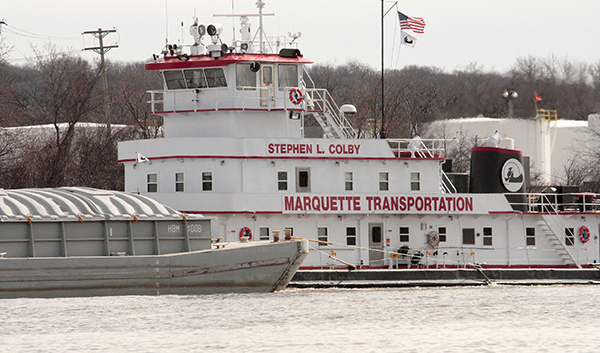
404,234
302,179
530,236
215,77
487,236
384,184
174,79
179,182
245,79
288,76
569,236
207,181
322,235
264,233
349,181
195,78
350,235
152,182
468,236
282,180
415,181
442,234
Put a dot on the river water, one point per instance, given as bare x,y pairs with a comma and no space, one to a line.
457,319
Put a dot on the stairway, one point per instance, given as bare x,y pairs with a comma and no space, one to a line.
552,227
321,106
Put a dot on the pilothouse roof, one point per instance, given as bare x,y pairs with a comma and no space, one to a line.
193,61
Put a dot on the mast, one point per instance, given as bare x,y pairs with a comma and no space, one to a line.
260,5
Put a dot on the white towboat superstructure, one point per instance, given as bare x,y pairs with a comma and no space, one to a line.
236,148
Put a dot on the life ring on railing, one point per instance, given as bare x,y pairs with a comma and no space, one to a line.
246,232
296,96
584,234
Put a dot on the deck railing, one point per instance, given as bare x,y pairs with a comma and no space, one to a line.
555,203
418,148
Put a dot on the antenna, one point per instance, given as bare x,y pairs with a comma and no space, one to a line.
260,4
166,22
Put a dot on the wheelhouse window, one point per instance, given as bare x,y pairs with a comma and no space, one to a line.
215,77
384,184
415,181
174,79
179,182
282,180
349,181
195,78
288,76
245,79
302,179
152,182
207,181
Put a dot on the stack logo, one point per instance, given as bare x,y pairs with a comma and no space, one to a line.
513,175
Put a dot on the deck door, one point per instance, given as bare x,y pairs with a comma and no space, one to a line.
267,76
376,243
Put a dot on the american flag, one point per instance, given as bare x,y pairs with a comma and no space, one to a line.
415,24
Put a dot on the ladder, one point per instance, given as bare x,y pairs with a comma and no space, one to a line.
551,226
322,107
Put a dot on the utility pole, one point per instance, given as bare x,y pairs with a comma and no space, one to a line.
103,49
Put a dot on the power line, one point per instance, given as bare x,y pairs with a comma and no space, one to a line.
23,33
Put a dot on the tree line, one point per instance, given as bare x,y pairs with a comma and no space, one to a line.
66,94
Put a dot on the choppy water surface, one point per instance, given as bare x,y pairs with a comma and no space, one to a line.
473,319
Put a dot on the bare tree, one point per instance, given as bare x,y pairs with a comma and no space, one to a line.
129,98
63,96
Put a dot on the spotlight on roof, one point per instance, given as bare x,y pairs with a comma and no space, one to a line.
215,51
214,29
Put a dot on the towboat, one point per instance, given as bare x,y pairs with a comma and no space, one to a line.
237,147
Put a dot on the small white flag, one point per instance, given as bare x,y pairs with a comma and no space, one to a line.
408,40
141,158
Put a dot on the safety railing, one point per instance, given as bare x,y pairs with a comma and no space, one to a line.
244,98
418,148
319,101
555,203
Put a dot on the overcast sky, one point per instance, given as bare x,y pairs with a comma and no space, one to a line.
490,33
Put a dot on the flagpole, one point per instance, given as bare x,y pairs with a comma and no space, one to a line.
382,127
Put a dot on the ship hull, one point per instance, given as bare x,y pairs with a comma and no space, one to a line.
239,268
